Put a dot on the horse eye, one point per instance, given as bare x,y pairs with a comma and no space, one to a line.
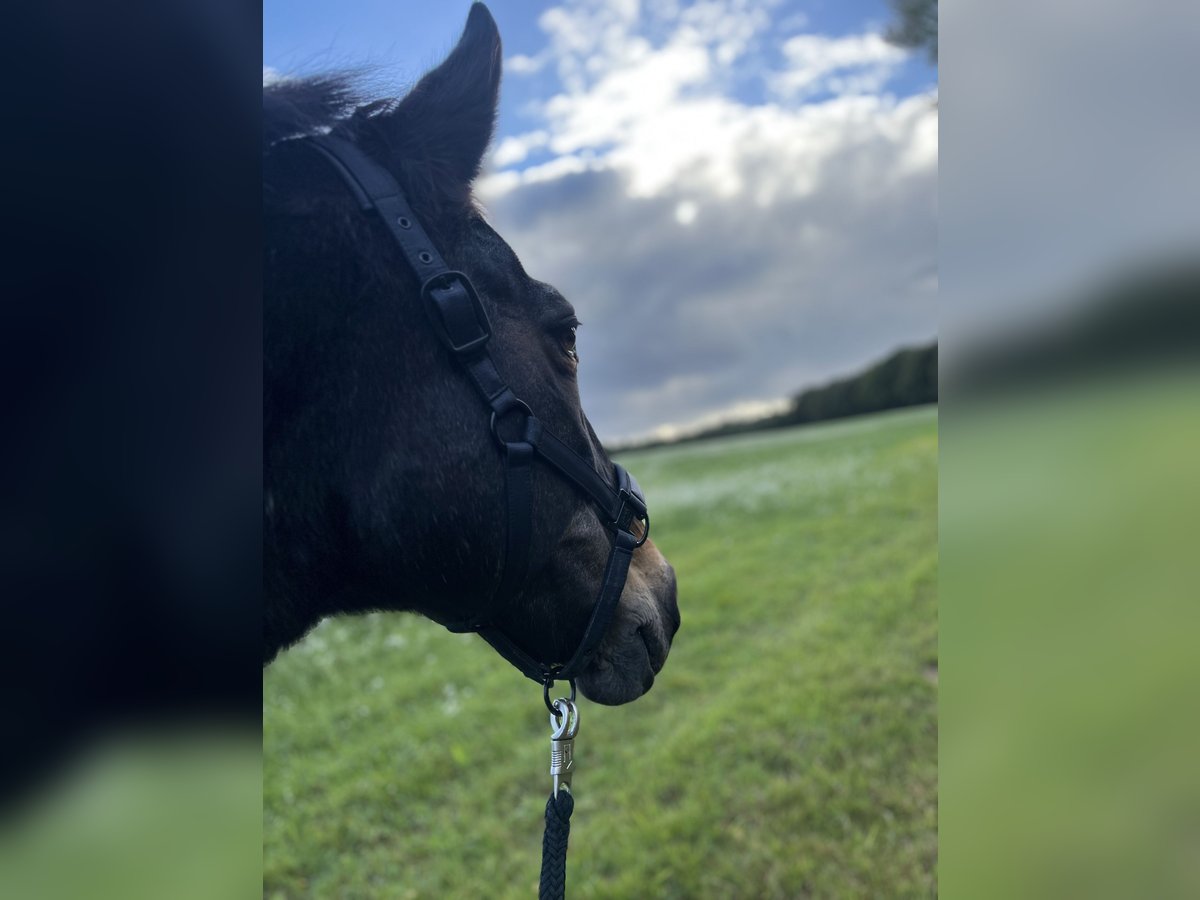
566,339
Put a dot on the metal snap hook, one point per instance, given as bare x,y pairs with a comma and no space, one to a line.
562,744
549,683
564,720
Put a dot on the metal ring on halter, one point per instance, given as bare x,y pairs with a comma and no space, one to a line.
515,406
547,684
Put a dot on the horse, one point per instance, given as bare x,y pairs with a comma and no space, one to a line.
382,485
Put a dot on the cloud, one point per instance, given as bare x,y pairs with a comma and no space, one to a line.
722,252
525,65
739,412
857,64
514,149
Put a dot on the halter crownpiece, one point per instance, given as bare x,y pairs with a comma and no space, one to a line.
461,324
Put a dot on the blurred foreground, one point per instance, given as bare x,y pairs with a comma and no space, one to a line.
152,814
1068,607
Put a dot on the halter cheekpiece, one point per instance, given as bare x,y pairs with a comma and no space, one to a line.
461,324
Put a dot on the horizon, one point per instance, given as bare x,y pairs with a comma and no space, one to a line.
790,239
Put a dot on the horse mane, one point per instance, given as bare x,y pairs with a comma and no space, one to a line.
298,107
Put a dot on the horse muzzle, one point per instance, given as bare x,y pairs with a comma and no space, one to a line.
637,644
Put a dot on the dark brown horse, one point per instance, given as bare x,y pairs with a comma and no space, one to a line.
383,486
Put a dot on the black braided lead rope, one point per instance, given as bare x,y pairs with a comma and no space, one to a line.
553,884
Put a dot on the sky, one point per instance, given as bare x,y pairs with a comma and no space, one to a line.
738,196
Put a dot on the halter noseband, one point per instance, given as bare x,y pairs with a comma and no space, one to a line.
461,324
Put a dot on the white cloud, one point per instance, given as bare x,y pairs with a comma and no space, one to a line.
664,113
745,411
686,212
525,65
513,150
857,64
723,252
499,183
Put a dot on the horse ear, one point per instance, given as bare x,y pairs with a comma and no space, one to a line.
447,120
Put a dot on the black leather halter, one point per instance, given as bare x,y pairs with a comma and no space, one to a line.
462,325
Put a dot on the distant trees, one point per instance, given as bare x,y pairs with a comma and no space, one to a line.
1134,318
908,377
916,26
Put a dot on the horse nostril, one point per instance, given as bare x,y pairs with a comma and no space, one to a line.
656,648
672,606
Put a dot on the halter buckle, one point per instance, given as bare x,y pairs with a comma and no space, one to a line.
632,509
457,316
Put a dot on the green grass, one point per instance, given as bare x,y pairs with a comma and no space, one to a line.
1069,614
788,749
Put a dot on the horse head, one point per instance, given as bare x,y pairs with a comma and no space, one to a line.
384,487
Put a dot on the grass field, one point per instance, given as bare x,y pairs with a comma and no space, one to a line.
789,748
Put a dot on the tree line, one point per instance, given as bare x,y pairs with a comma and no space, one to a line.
909,377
